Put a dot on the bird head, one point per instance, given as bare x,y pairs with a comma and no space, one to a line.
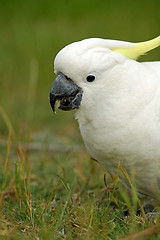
82,65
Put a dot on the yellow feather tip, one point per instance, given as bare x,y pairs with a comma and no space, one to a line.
139,49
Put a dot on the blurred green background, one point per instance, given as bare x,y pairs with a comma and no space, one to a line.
53,163
31,34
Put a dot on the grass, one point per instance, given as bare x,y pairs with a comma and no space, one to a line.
67,198
49,186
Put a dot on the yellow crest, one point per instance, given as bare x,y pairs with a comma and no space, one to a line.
140,48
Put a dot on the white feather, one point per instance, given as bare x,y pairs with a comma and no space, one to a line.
119,116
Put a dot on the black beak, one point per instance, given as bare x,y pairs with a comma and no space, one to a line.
67,92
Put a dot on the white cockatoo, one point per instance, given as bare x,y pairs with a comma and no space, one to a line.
117,102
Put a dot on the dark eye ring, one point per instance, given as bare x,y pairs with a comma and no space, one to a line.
90,78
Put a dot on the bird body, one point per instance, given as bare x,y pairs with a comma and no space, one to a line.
118,107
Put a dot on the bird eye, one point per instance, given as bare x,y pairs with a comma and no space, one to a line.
90,78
